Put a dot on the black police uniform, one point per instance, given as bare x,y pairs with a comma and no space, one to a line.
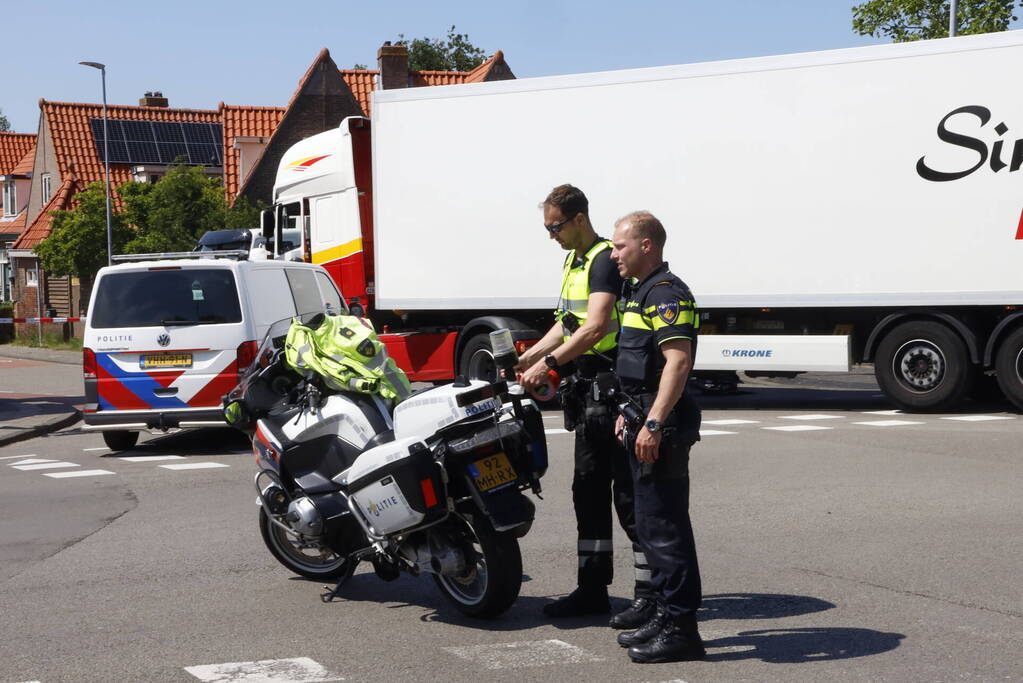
659,309
601,475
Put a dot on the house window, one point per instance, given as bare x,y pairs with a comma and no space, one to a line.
32,277
10,198
47,188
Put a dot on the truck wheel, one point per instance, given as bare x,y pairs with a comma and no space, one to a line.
120,441
1009,367
477,361
923,366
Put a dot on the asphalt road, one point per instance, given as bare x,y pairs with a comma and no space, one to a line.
830,550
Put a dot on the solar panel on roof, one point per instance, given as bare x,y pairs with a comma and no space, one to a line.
160,142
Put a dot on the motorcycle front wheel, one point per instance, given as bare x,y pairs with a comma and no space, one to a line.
311,561
493,574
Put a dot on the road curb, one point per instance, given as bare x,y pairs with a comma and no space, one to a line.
40,430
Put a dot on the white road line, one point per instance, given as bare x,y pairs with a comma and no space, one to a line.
889,423
15,457
76,473
523,654
731,422
797,428
713,432
101,448
45,466
884,412
555,431
31,461
150,458
295,670
978,418
194,466
816,416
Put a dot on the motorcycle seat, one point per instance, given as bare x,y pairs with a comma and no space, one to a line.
378,439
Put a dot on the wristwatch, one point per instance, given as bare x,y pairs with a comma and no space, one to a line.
550,361
653,426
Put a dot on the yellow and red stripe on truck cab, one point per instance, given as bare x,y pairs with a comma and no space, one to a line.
345,265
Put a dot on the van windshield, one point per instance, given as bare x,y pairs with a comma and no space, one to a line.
160,297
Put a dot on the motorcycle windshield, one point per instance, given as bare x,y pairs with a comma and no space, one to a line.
273,341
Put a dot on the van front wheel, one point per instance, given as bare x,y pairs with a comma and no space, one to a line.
120,441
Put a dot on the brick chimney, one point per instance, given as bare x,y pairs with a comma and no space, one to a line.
392,60
153,99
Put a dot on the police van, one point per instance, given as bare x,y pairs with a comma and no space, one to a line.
167,334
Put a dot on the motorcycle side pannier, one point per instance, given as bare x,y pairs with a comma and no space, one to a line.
397,486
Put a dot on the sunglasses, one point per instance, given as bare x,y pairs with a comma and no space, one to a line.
555,228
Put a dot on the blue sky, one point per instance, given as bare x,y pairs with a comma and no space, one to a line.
202,52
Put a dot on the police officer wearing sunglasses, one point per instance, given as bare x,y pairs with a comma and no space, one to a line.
656,352
581,345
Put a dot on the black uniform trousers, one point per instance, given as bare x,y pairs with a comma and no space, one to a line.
601,480
663,525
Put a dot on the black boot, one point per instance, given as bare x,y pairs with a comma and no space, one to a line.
649,629
635,615
580,602
678,641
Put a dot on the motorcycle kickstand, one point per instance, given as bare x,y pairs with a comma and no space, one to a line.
331,593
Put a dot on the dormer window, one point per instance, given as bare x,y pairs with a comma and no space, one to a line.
10,198
47,183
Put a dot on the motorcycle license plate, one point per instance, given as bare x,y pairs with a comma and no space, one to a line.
492,472
166,360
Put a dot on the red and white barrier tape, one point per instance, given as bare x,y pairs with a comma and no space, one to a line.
41,320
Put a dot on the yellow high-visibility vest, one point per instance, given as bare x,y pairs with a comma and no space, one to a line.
575,296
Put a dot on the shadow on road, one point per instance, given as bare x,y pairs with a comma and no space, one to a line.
190,442
800,645
759,606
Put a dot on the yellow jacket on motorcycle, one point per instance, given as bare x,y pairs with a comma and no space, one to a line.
345,351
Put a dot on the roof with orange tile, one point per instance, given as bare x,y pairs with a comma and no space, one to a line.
75,146
43,223
14,227
27,163
13,149
362,82
244,122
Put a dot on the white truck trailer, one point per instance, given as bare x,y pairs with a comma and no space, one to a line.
828,208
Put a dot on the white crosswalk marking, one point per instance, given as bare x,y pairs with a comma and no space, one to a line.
15,457
523,654
194,466
555,431
814,416
731,422
714,432
150,458
77,473
99,448
30,461
294,670
883,412
978,418
45,466
889,423
797,428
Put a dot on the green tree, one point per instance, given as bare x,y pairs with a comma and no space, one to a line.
77,244
5,125
170,215
434,54
906,20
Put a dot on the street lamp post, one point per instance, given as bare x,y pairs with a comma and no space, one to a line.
106,156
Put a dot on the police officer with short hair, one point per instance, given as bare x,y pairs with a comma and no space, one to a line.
582,344
656,351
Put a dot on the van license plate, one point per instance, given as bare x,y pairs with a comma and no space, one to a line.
165,360
492,472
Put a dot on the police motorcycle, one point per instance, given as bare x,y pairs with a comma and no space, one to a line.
430,482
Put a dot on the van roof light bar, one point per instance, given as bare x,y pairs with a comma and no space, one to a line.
240,254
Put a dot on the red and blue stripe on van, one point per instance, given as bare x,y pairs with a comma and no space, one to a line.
119,388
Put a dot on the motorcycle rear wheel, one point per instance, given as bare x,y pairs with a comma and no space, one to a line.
492,581
308,562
